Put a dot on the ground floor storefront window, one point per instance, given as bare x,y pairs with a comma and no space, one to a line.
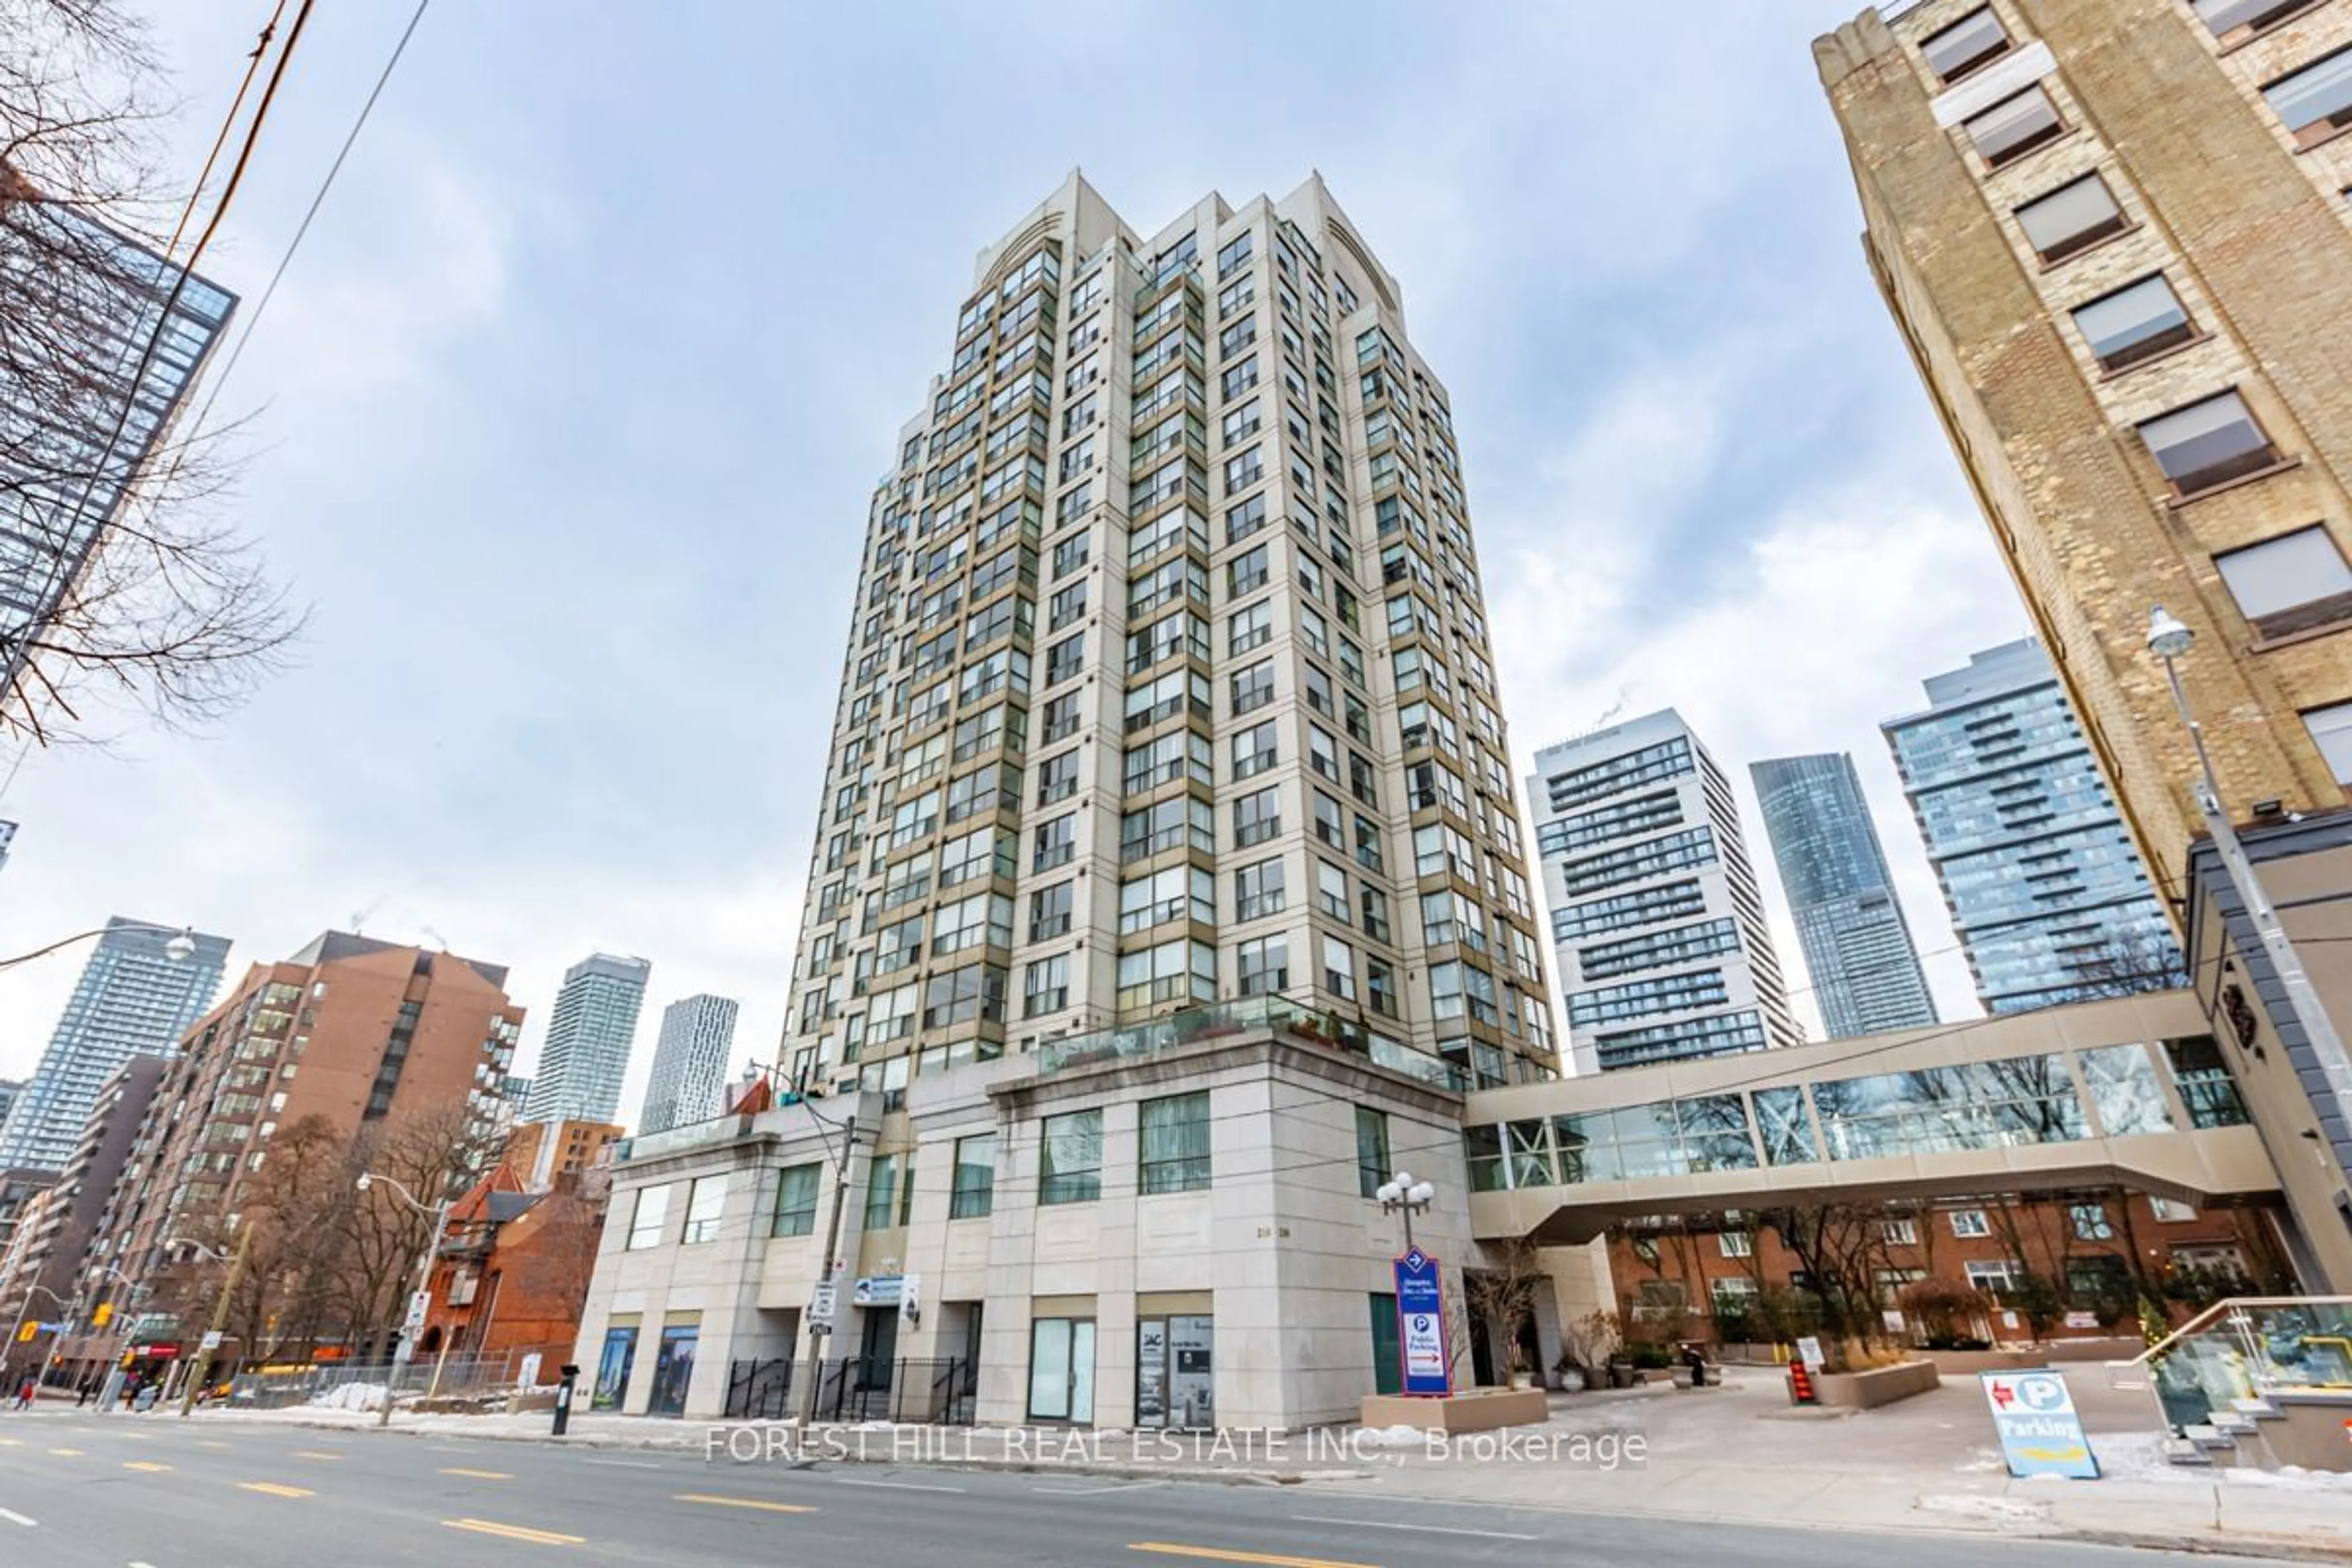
1175,1382
674,1368
1062,1370
612,1365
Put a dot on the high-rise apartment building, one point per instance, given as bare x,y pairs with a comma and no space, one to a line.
9,1090
86,401
1169,678
134,998
2045,890
590,1033
1168,878
51,1248
1859,954
698,1034
1655,913
2107,233
349,1034
556,1154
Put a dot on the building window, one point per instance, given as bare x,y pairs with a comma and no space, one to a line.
2208,444
1045,986
1338,969
2235,21
1263,967
2315,102
1258,817
974,1194
1996,1276
2170,1211
1734,1243
705,1198
1056,841
2015,126
1898,1232
1171,971
1256,749
881,1191
1253,688
1173,1143
2331,731
1258,891
1049,913
1177,893
796,1201
1372,1152
1057,778
2072,219
2135,322
647,1220
1970,1224
2091,1221
1966,45
2290,584
1069,1168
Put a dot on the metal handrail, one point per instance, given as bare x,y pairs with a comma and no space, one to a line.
2216,1313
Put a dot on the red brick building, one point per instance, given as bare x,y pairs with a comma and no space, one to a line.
512,1276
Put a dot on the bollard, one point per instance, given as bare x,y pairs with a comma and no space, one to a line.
563,1399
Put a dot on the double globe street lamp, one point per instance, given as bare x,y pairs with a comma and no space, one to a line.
1406,1195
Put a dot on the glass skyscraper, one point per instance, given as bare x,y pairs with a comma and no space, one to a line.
133,999
2045,890
589,1037
88,405
690,1063
1858,949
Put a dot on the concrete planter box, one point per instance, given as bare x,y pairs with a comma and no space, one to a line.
1967,1363
1880,1386
1481,1410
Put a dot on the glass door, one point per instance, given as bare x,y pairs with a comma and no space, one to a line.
673,1369
1062,1370
612,1365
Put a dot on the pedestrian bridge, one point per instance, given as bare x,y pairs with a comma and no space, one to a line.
2132,1091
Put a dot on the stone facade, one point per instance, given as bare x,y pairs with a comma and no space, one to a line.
1280,1249
2251,236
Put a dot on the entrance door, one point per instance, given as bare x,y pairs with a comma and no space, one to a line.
1175,1371
1062,1370
1388,1356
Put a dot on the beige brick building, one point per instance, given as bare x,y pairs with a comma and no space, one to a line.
2116,240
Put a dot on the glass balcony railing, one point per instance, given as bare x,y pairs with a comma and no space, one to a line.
1192,1026
2248,1347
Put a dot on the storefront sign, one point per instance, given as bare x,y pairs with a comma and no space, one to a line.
2041,1435
877,1291
1421,1324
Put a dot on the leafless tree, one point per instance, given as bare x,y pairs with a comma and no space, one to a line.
436,1152
118,575
1503,1295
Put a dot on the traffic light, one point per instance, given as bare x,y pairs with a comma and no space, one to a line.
25,1331
104,1314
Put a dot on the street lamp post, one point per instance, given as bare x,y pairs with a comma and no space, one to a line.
180,947
2168,639
439,1215
202,1367
1402,1193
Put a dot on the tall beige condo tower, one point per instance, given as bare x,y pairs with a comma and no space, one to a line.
2115,238
1168,681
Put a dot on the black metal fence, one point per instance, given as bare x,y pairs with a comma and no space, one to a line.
934,1392
760,1390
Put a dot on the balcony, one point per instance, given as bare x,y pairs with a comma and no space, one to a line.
1195,1025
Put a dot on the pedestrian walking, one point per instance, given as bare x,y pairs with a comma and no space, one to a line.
25,1394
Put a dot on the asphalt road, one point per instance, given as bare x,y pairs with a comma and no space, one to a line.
124,1491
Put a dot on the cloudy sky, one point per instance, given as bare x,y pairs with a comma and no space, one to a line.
567,416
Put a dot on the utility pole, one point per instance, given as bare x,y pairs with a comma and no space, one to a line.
203,1366
826,1290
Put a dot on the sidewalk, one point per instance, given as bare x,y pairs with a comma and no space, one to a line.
1733,1456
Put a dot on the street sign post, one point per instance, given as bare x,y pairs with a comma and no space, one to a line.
1420,1325
212,1340
2041,1435
824,1305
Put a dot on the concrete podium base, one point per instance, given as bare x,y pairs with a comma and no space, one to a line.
1480,1410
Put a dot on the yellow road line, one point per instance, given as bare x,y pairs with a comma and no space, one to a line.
515,1532
1171,1549
271,1488
742,1503
148,1465
66,1453
480,1475
12,1442
210,1443
314,1454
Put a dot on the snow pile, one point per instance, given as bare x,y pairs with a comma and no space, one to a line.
1389,1437
1981,1504
2292,1477
350,1397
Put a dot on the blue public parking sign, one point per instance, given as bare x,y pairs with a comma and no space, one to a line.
2041,1435
1421,1324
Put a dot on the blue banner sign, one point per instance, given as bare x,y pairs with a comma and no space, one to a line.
1421,1324
2041,1435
